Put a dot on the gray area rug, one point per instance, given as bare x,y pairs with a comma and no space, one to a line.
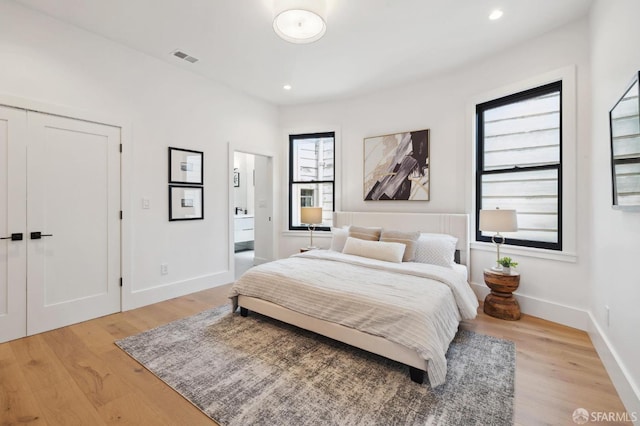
256,370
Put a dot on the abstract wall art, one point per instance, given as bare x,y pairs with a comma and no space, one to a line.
396,166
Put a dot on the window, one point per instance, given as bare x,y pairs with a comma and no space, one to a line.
311,177
519,164
306,197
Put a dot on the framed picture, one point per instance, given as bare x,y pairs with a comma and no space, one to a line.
396,166
186,202
185,166
236,178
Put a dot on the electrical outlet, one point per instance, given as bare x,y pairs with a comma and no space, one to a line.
164,269
606,309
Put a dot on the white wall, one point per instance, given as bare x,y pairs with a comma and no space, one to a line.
615,234
160,105
550,288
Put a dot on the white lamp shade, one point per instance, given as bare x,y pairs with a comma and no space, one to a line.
498,220
311,215
300,21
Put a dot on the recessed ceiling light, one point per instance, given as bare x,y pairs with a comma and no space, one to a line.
496,14
287,87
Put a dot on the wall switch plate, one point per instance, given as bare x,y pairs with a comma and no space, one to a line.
164,269
146,203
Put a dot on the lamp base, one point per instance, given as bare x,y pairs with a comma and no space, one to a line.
497,268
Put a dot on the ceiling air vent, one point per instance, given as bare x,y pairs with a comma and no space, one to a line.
180,54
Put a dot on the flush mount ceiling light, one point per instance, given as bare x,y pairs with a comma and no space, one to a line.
300,21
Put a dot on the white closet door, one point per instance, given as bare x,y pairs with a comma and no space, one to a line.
13,302
73,200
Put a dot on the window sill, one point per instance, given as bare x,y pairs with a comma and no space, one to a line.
561,256
305,234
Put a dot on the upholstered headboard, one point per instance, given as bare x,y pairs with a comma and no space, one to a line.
452,224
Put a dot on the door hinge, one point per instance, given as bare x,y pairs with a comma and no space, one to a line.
120,214
120,147
120,281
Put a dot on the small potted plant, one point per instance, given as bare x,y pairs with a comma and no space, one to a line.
507,263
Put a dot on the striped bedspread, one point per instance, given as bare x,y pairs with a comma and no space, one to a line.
415,305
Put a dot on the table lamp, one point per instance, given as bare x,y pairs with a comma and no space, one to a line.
311,216
498,221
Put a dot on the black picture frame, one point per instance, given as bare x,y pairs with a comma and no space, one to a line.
186,166
236,178
186,202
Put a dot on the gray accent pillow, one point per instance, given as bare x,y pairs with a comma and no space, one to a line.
363,233
409,239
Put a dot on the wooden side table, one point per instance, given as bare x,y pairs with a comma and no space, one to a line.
500,303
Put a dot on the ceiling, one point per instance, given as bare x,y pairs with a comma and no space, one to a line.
369,44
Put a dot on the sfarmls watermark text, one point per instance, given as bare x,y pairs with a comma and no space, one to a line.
582,416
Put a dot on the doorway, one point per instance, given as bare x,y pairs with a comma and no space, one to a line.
252,210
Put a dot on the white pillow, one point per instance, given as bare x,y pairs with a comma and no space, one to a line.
390,252
338,238
436,249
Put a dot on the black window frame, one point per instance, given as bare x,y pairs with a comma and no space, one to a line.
480,172
293,182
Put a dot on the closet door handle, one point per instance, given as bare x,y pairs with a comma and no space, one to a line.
14,237
39,235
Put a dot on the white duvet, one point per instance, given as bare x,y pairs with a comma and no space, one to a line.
413,304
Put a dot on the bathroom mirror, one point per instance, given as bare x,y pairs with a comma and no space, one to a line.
624,121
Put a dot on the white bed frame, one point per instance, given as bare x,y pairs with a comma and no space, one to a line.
452,224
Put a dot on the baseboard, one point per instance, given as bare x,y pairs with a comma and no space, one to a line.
147,296
551,311
260,260
628,391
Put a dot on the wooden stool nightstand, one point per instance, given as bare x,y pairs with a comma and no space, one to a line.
500,303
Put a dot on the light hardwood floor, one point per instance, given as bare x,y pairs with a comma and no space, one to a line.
77,376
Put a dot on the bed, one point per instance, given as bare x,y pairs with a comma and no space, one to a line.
406,311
